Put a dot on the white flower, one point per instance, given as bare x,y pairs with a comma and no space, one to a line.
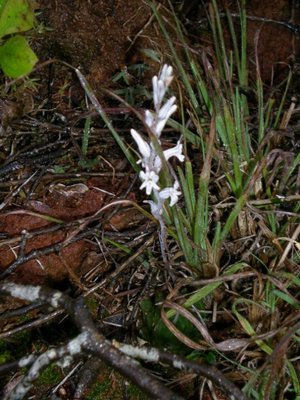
166,74
171,192
163,115
150,179
167,109
160,85
159,90
149,118
157,122
175,152
144,148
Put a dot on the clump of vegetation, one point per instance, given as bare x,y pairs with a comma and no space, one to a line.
234,203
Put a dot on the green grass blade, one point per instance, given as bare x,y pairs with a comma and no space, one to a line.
90,94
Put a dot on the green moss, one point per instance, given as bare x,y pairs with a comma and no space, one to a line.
50,376
5,354
22,337
92,303
16,347
100,391
111,385
136,394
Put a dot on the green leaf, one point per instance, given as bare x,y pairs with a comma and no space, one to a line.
15,16
16,57
285,297
152,54
157,333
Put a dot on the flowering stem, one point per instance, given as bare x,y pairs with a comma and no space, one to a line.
156,174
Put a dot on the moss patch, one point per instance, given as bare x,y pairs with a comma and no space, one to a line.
111,385
50,376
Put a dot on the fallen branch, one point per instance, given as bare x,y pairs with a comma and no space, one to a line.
91,341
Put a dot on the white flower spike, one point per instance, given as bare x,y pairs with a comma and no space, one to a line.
149,159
